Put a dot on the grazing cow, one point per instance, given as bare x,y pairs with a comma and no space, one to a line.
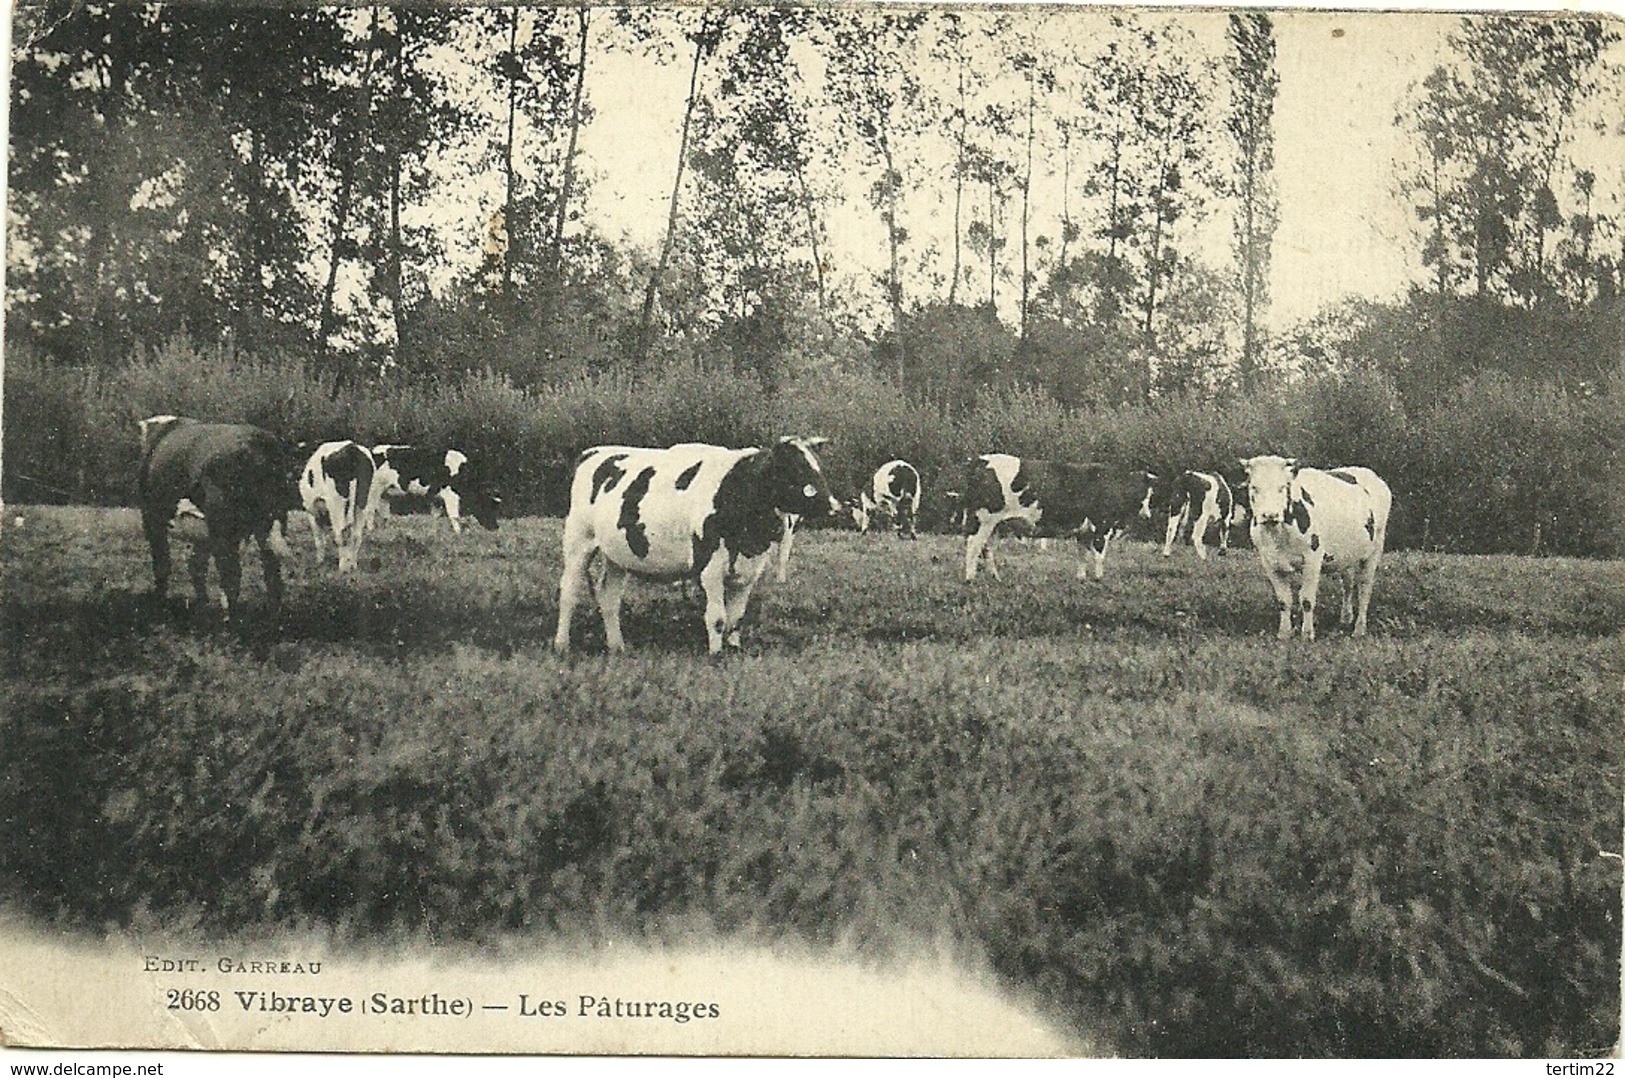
699,512
1203,495
894,493
241,480
1095,502
337,484
1306,522
446,476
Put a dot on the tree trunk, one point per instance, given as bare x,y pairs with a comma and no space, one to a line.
812,237
1026,201
508,155
959,182
1110,302
349,154
1249,276
105,336
894,280
555,258
1066,191
646,320
251,307
396,248
992,246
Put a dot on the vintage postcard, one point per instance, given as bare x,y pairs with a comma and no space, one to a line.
937,530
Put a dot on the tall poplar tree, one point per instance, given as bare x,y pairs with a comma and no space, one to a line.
1250,122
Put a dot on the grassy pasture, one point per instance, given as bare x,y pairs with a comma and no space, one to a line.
1125,797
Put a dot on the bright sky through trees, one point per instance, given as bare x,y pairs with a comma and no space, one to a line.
1343,77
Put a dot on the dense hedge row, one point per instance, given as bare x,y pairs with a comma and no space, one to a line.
1494,465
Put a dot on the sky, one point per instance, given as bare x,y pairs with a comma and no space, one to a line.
1342,232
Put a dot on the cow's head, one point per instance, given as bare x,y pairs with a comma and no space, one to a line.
1269,488
798,483
858,509
476,497
1158,494
484,506
285,467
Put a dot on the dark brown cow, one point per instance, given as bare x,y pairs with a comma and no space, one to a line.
241,479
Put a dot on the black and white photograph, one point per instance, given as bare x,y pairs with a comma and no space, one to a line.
851,529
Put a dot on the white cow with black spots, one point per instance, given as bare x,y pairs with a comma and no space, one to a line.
445,476
893,495
698,512
336,488
1307,522
1197,500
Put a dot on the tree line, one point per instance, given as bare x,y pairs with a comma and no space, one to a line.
400,193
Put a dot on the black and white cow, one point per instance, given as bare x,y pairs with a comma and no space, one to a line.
239,479
1307,522
336,488
894,495
1094,502
446,476
699,512
1194,499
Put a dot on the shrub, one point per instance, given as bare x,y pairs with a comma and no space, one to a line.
1477,472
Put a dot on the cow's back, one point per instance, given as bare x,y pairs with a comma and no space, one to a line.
897,481
1350,509
645,508
1074,493
242,477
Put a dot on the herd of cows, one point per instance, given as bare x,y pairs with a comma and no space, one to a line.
714,515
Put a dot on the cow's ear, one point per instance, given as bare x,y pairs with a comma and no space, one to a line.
1150,477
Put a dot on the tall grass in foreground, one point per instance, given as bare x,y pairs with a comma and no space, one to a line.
1125,797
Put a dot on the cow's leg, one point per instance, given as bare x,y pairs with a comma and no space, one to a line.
735,600
976,547
1308,591
905,521
344,532
787,536
1199,534
1351,588
1285,598
198,566
1175,522
714,585
156,526
578,551
611,589
1097,546
315,529
1368,578
454,507
272,568
228,561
